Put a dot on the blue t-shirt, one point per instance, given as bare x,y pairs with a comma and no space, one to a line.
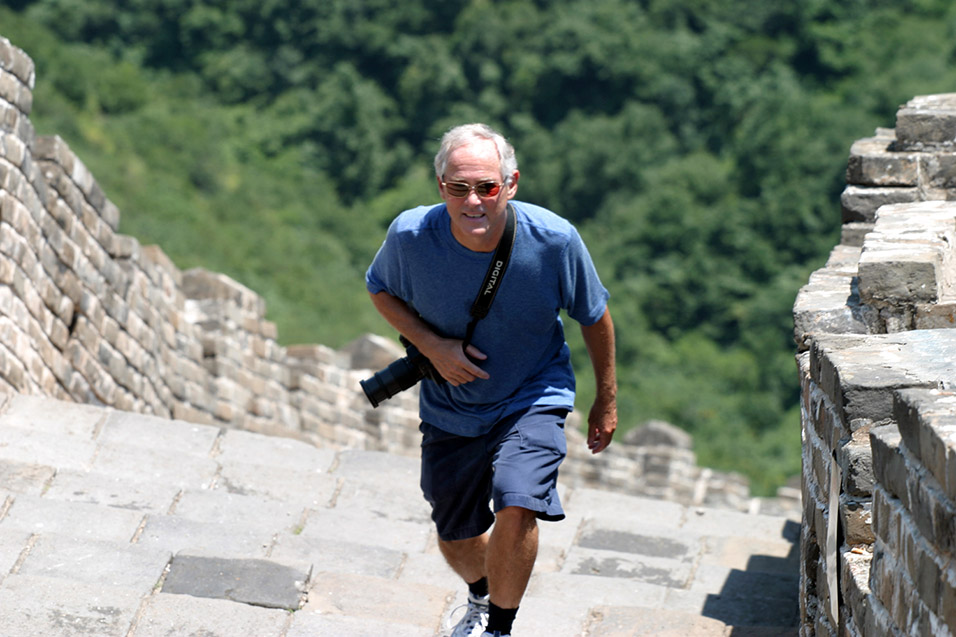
528,361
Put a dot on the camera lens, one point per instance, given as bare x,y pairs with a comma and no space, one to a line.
395,378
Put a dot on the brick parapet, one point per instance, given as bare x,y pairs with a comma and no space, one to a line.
17,79
877,363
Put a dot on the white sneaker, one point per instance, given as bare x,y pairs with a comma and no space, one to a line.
473,623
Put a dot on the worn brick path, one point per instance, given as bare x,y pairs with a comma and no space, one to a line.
118,524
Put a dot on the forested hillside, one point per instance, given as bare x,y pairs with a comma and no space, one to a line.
699,145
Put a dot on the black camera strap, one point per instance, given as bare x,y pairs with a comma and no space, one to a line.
496,272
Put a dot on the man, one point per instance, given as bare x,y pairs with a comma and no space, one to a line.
494,430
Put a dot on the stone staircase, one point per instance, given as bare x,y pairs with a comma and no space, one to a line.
126,525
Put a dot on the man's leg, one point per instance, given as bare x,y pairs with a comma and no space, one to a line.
524,490
456,481
466,557
506,558
511,553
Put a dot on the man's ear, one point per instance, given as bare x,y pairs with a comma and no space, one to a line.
513,185
441,190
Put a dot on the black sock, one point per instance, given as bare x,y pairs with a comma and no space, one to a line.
500,619
479,588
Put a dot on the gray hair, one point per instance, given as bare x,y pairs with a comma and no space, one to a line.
461,135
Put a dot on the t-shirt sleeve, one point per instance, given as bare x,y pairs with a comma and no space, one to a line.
386,273
584,296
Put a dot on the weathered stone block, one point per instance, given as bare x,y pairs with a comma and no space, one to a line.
927,423
860,374
900,274
859,203
888,464
925,572
938,170
856,462
927,121
855,570
828,304
873,163
12,149
257,582
931,316
920,232
856,517
946,609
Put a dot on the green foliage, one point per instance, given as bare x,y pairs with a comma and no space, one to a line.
699,145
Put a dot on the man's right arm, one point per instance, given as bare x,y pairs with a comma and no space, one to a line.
445,354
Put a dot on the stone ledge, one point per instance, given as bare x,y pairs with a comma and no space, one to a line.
860,203
909,256
873,162
927,122
861,373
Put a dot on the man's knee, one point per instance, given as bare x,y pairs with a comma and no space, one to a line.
516,517
465,545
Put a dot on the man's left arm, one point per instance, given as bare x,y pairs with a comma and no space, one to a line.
602,420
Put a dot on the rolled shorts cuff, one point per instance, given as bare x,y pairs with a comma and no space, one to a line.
549,511
467,532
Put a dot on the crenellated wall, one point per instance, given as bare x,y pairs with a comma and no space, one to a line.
877,361
88,314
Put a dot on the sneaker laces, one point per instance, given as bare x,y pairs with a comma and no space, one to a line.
473,622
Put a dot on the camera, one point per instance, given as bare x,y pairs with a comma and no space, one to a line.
400,375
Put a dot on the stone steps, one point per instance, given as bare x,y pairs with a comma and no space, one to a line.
114,523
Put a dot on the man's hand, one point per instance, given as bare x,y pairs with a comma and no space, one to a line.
445,354
602,421
448,358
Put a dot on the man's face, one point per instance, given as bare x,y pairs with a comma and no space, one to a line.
477,222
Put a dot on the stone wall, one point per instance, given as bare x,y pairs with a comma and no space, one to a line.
88,314
878,372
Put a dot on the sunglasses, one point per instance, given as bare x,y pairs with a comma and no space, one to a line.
459,190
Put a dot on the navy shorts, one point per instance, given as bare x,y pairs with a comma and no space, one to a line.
514,464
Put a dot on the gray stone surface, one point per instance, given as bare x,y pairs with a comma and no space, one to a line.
255,582
191,530
79,519
177,534
164,615
109,489
20,477
861,374
35,606
94,562
624,621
